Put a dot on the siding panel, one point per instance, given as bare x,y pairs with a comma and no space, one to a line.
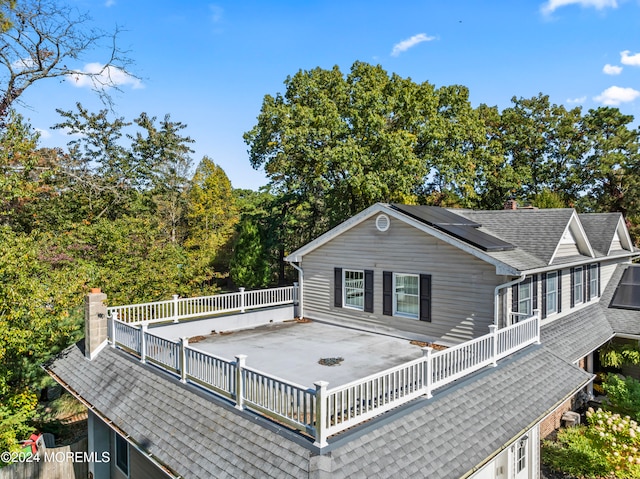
462,285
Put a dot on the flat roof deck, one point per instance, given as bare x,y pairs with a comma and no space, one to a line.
292,351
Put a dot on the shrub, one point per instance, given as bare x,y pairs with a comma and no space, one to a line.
623,395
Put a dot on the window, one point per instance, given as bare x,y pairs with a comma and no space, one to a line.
354,289
524,299
552,293
122,454
593,281
521,455
577,285
406,297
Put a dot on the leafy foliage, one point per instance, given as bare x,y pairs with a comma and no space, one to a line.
608,446
623,395
616,355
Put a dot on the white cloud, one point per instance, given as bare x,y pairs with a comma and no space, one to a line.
552,5
44,134
628,58
612,69
102,77
109,3
404,45
216,13
581,99
23,63
614,95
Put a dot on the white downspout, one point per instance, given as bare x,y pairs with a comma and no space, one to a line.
300,289
497,292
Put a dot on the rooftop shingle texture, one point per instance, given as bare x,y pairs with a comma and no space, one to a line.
625,321
444,437
537,232
577,334
600,229
464,425
190,433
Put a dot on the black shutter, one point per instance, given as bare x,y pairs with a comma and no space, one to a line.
387,293
535,292
337,287
425,297
573,299
543,301
514,298
368,291
559,291
599,280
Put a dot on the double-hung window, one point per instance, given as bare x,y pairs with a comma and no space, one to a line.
353,282
577,285
593,281
521,455
524,299
406,297
552,293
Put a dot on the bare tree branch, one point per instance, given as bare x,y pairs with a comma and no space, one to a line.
49,40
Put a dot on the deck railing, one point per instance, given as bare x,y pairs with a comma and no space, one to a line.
184,308
322,412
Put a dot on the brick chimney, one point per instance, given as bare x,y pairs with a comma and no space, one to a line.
511,204
95,323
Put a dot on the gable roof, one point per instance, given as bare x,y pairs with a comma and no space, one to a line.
601,228
514,241
196,435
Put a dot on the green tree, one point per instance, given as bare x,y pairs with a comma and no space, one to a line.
211,217
165,157
251,264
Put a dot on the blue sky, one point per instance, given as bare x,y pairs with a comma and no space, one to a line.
209,65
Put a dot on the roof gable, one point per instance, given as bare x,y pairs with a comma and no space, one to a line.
604,230
421,224
573,234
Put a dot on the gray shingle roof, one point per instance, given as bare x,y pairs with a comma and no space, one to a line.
577,334
183,428
600,229
464,425
537,232
194,434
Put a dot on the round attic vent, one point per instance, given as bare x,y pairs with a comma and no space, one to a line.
382,222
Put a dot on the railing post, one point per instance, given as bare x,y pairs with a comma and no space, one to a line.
428,370
184,342
114,318
241,361
241,300
175,308
538,321
321,413
143,343
493,330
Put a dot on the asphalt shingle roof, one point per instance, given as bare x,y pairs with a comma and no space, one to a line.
625,321
600,229
444,437
577,334
536,232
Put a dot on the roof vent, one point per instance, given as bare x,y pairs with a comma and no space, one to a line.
382,222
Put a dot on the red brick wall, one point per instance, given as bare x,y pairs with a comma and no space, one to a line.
552,422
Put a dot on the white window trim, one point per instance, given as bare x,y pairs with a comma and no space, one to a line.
528,300
593,277
578,272
395,297
521,453
344,289
115,450
555,310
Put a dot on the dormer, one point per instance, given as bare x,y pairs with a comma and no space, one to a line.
621,240
573,242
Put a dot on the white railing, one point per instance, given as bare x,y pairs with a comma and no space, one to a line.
322,412
183,308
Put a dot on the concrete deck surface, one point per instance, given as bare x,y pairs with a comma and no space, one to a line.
292,350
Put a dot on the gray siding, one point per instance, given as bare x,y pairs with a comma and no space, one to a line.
566,250
462,285
140,467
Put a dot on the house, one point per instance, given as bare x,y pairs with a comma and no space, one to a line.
521,298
